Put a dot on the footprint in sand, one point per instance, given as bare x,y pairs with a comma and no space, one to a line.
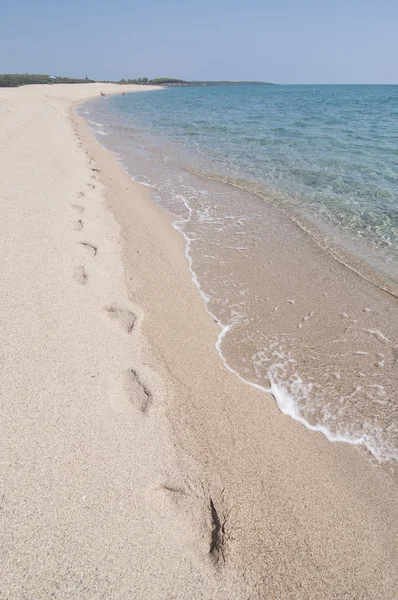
78,225
126,318
78,208
81,275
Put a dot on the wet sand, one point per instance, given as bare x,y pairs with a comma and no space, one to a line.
134,465
300,309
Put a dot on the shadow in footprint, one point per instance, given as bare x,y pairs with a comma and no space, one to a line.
172,489
138,392
217,536
93,250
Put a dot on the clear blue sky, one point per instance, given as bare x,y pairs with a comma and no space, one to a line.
285,41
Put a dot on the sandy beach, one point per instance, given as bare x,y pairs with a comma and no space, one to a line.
133,464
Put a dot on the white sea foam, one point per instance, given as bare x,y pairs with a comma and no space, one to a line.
146,183
94,127
378,334
285,401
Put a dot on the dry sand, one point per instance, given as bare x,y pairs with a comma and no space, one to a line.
133,464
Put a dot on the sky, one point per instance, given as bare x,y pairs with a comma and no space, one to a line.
283,41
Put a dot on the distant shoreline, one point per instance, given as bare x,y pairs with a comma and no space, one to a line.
18,80
206,83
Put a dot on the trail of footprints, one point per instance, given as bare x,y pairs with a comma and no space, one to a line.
140,395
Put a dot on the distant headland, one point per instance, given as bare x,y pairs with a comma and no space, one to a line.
169,81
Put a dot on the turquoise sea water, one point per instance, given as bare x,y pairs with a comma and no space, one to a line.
270,185
332,149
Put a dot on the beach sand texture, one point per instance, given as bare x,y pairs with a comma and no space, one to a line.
133,464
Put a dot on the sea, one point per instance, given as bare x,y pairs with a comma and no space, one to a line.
287,199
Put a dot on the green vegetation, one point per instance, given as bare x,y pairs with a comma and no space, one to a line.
15,80
73,80
139,81
168,81
230,83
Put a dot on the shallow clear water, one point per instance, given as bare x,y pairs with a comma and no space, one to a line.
292,319
332,149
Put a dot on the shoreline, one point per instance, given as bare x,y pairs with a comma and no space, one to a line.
198,485
348,305
165,220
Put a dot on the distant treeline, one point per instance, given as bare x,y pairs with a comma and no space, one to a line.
230,83
15,80
138,81
171,81
146,81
